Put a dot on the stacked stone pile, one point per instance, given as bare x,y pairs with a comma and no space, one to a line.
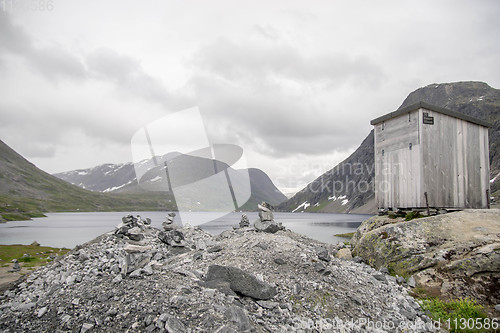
266,221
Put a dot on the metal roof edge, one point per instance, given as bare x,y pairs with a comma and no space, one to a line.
430,107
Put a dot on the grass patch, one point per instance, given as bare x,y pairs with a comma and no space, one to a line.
413,215
346,235
462,315
37,255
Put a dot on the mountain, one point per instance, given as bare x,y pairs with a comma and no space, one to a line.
26,190
121,178
348,187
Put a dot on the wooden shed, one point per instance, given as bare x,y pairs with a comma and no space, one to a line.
428,149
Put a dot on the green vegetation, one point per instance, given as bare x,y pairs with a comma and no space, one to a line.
29,255
463,315
412,215
346,235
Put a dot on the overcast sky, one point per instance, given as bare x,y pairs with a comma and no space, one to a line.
294,83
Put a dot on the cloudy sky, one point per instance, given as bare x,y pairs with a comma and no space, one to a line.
294,83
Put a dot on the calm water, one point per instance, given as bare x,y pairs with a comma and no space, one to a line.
69,229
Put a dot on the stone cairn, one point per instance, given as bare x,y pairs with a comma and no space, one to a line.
266,221
132,227
170,235
168,225
244,222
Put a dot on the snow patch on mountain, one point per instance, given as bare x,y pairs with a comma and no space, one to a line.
304,206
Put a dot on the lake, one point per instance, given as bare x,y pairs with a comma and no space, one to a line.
70,229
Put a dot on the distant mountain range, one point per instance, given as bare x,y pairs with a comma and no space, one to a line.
121,178
25,190
355,174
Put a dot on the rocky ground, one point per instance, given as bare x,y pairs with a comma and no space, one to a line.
189,281
452,256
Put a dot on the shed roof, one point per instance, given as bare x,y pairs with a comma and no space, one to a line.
430,107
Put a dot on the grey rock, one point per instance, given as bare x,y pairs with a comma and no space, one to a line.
215,248
86,327
267,226
148,270
268,304
384,270
240,282
279,261
26,306
380,277
322,253
238,318
400,280
42,311
497,307
136,273
174,325
319,267
411,282
266,216
358,260
172,238
266,207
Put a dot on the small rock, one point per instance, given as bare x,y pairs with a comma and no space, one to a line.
497,307
268,305
42,311
384,270
215,248
358,260
319,267
86,327
345,254
136,273
279,261
148,270
238,318
411,282
322,253
400,280
174,325
35,243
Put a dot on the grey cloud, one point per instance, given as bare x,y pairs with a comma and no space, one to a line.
52,62
232,60
126,72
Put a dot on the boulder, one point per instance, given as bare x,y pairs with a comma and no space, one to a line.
238,281
456,255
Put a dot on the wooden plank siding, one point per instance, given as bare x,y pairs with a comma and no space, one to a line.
455,166
397,167
447,159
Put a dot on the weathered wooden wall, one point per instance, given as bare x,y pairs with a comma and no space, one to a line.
455,162
397,167
448,160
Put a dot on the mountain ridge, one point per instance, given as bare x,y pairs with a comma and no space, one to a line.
121,178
